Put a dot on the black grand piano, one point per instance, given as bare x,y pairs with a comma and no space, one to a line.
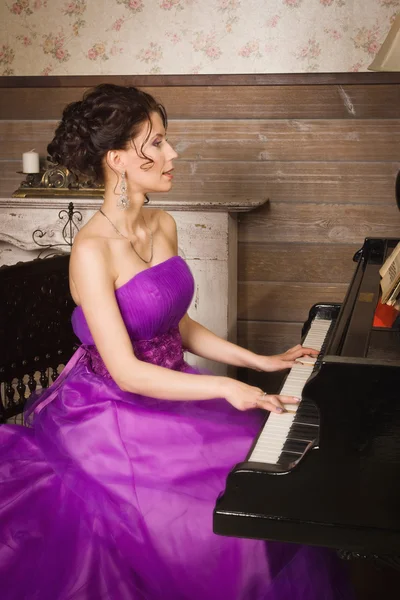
329,474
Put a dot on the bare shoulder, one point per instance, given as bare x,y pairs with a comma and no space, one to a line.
163,227
90,255
168,221
87,246
90,239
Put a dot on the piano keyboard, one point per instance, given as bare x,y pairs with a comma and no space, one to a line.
285,437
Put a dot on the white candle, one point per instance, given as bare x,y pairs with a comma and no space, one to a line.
30,162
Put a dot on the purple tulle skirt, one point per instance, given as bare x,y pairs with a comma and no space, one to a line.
110,495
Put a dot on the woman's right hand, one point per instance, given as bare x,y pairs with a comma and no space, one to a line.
245,397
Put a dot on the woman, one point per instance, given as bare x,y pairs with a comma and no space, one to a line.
109,494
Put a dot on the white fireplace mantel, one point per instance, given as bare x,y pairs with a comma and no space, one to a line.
207,232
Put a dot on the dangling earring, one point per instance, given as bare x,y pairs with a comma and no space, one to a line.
123,200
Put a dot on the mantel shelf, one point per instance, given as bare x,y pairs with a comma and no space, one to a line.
231,204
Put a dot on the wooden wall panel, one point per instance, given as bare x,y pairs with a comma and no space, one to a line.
247,140
319,223
283,262
266,337
218,102
9,177
290,181
284,301
252,140
19,136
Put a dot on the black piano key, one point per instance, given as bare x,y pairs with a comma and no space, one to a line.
307,430
298,438
288,457
308,415
303,432
307,419
307,411
295,446
307,408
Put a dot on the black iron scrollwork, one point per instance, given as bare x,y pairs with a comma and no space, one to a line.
70,229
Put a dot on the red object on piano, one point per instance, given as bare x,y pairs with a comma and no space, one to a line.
385,315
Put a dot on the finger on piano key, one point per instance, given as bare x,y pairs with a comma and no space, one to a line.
313,350
290,408
306,360
290,404
286,399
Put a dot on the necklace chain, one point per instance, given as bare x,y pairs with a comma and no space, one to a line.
132,246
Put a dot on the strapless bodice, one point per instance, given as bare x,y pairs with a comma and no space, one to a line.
152,302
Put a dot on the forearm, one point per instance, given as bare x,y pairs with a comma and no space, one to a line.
158,382
201,341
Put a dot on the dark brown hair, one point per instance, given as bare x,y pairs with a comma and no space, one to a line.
108,117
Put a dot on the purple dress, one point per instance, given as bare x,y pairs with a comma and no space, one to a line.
110,495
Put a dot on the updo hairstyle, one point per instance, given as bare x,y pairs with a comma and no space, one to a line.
108,118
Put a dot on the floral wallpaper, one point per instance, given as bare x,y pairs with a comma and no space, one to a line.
118,37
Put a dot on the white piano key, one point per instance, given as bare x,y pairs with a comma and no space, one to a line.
275,432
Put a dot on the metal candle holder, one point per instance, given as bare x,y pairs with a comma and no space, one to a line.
57,181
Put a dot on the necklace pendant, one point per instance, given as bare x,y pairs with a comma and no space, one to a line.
140,256
130,243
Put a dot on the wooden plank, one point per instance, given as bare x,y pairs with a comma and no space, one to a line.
268,337
283,301
372,101
266,140
319,223
9,178
336,182
312,263
210,79
218,102
331,182
252,140
37,103
17,137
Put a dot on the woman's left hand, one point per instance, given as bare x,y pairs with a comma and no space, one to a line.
286,360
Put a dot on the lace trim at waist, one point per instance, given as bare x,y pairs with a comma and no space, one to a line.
164,350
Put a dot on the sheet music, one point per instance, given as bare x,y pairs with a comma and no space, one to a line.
390,273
